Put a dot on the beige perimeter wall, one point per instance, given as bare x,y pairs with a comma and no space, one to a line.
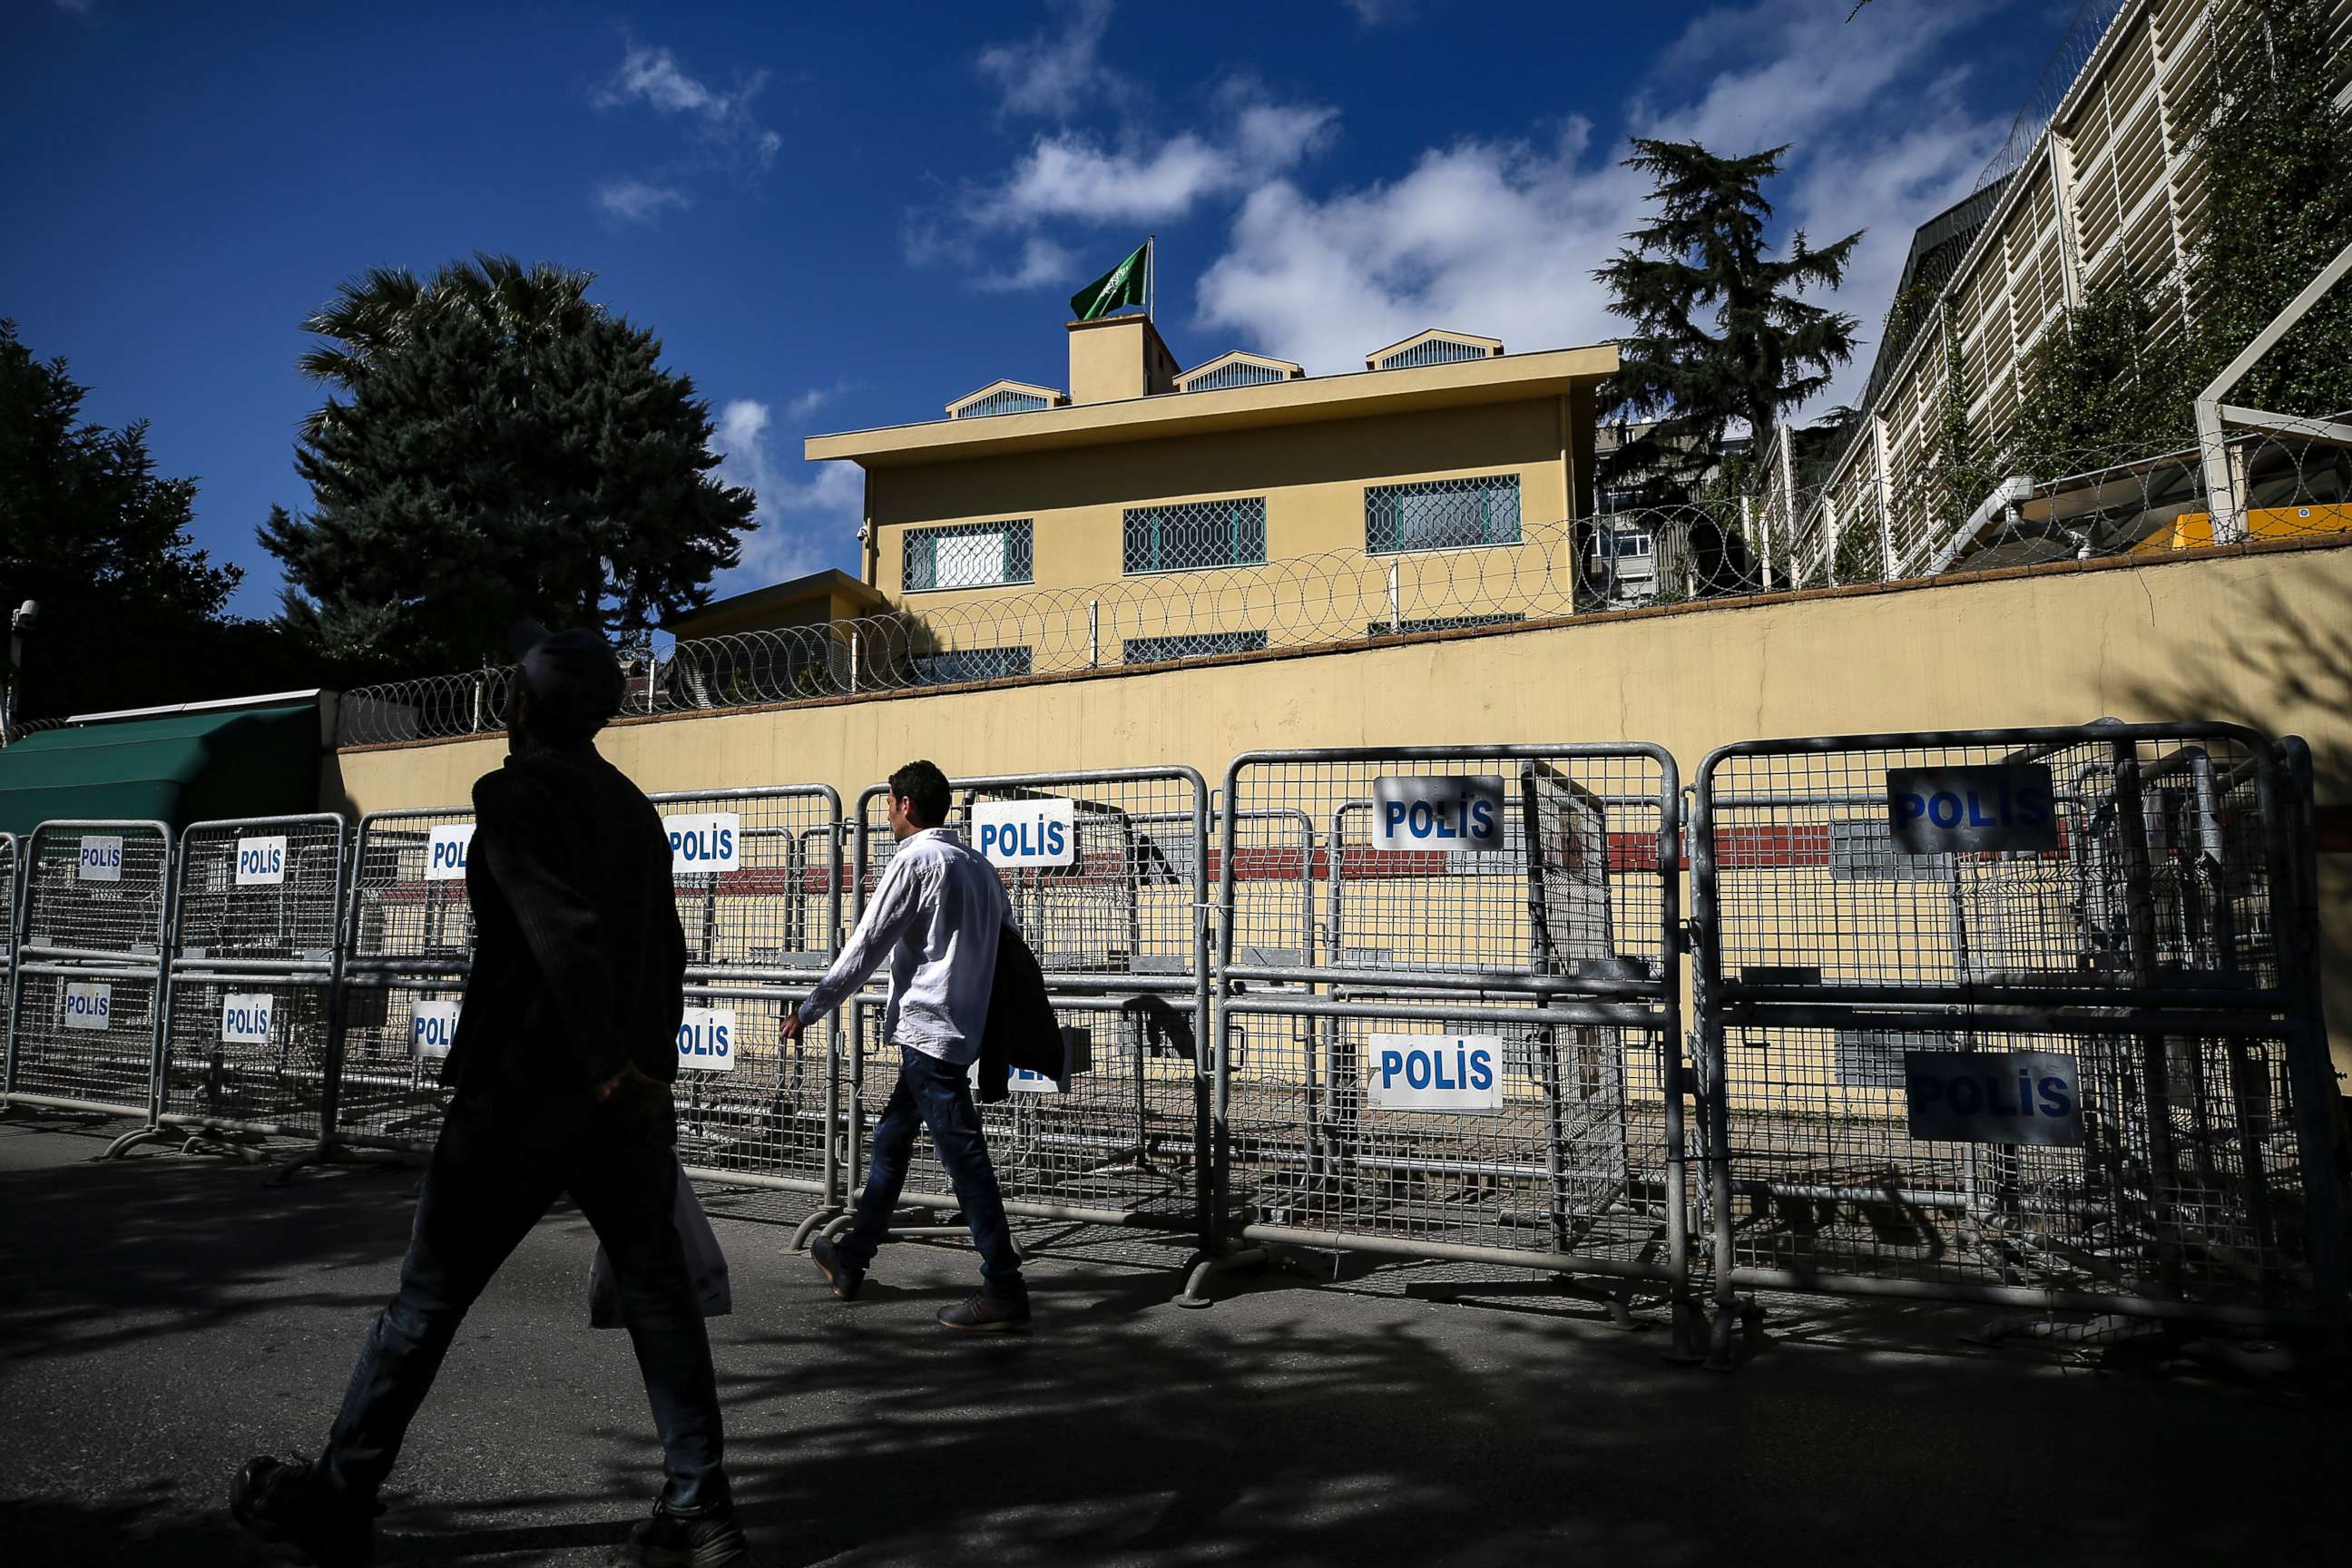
2262,637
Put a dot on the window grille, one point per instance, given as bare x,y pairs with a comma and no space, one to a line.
1241,373
970,555
1441,514
1861,849
1437,351
1441,624
970,663
1002,402
1190,645
1193,534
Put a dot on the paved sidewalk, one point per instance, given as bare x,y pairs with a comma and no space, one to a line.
164,1316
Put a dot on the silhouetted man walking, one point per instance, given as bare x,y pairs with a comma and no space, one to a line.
559,1074
936,915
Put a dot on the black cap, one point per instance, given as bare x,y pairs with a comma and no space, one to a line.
575,682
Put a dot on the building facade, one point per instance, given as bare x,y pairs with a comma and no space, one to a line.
991,530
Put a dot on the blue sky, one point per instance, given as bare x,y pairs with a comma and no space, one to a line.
837,216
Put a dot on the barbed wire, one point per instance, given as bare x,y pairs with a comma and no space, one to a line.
2145,503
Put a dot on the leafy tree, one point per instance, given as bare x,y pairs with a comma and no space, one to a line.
1720,335
131,612
2278,169
496,444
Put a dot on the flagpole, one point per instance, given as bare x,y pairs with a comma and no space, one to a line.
1151,274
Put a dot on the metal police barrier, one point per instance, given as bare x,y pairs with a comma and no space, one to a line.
2013,1017
408,945
758,880
8,935
84,1020
1481,1065
1106,875
256,911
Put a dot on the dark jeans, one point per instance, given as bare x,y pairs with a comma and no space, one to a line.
932,1093
488,1183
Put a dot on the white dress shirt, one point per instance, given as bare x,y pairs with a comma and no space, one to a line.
936,914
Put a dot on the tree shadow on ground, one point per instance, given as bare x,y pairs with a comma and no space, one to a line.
1288,1425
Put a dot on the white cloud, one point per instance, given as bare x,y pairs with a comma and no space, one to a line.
1500,236
1042,263
1069,176
634,200
1054,74
653,77
803,525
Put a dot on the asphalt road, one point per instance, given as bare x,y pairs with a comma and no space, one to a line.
164,1316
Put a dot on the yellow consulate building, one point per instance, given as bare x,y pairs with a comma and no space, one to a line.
1135,517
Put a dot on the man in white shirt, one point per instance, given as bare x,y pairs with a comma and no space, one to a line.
935,914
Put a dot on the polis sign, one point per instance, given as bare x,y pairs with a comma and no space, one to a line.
1025,832
704,844
706,1040
444,852
1436,1072
2000,806
1439,812
261,861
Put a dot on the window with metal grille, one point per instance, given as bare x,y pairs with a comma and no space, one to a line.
1002,402
1193,534
970,555
1437,351
1440,623
1241,373
970,664
1861,849
1441,514
1191,645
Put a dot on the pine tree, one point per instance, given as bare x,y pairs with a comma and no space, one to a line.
501,447
1721,337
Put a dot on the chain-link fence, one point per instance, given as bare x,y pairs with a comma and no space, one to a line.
2015,1017
85,1027
258,911
1483,1063
757,879
1105,874
408,947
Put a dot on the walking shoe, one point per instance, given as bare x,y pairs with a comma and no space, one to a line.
985,1313
708,1537
288,1508
844,1277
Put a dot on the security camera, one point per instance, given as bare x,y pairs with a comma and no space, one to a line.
27,613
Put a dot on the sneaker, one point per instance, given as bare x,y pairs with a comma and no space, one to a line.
844,1278
286,1507
707,1539
985,1313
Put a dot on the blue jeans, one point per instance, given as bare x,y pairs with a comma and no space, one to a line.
486,1189
937,1095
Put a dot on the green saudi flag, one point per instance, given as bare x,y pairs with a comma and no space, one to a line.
1122,285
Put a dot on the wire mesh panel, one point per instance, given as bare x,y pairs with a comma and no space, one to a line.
1473,1066
256,913
97,889
7,931
2008,1015
1105,874
408,945
84,1030
758,879
84,1037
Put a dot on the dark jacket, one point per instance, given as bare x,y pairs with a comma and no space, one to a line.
1022,1031
578,957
